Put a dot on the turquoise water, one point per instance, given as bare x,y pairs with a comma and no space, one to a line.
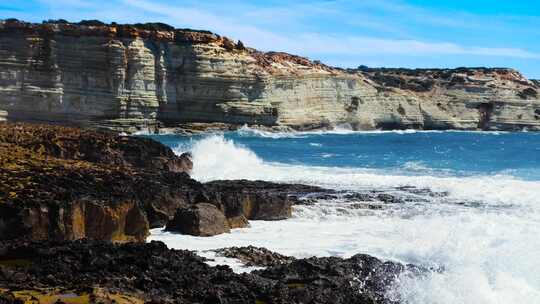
481,231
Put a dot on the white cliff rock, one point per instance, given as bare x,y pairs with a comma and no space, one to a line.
129,78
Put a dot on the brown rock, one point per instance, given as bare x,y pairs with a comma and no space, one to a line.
67,184
238,222
199,220
97,147
256,200
180,164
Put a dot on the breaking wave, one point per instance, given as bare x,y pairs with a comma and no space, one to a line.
483,233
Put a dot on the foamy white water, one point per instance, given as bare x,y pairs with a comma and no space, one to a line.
484,237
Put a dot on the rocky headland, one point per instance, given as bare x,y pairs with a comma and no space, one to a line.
152,76
76,207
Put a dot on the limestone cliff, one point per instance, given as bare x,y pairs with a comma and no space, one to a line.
128,77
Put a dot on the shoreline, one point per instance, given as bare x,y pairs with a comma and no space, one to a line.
48,160
81,156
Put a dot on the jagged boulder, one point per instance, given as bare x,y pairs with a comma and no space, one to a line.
68,183
256,200
361,277
199,220
96,147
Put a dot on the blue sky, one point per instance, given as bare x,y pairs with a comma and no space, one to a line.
346,33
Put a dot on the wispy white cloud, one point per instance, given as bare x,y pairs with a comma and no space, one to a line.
367,32
315,44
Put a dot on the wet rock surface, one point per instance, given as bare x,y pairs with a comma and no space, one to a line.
258,200
151,272
399,195
361,277
254,256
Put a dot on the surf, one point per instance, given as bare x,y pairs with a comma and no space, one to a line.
476,228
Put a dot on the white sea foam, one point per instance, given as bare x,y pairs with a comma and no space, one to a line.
346,129
338,130
215,157
487,252
247,131
415,166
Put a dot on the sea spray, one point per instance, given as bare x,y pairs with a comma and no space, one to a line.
474,222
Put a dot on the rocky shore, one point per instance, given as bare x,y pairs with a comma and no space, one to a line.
146,77
97,272
66,183
76,206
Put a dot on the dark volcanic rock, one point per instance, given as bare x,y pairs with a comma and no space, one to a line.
151,272
254,256
201,219
361,277
240,201
257,200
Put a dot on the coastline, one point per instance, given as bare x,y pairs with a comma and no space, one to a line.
382,209
43,156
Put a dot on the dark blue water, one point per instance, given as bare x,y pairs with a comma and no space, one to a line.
452,153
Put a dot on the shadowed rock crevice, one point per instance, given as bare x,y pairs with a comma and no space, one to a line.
484,111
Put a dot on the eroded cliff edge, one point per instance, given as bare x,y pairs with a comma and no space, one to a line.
131,77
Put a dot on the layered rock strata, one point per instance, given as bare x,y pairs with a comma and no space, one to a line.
137,77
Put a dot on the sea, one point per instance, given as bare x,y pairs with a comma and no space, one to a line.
472,213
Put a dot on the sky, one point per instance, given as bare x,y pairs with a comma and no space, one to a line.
344,33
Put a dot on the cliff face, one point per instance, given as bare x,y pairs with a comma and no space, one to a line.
125,77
